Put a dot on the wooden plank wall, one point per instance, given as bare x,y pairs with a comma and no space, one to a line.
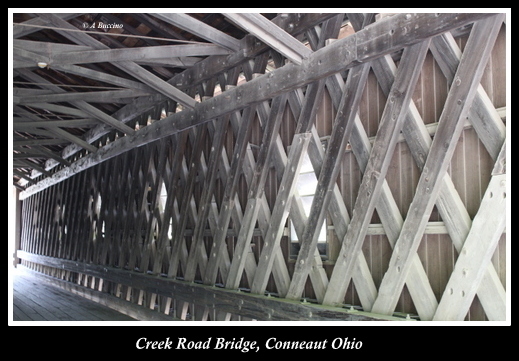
114,214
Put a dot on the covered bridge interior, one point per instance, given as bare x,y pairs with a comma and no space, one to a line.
264,166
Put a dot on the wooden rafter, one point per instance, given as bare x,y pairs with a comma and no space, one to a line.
286,78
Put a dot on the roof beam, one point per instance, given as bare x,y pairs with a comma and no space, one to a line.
109,96
271,34
319,64
81,56
194,26
32,25
33,142
21,125
28,164
100,76
57,132
24,176
85,111
141,53
49,154
130,67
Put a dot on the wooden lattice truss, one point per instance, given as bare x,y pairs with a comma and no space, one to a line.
202,183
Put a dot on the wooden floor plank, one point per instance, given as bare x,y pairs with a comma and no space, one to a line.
34,300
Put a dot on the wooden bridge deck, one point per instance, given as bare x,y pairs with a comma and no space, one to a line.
34,300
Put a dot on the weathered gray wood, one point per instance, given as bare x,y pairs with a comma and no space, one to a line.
60,133
475,256
449,204
107,96
20,30
458,102
101,76
156,83
483,115
280,214
123,307
34,142
387,209
294,24
150,245
29,164
85,109
178,239
128,66
390,125
206,197
18,124
256,191
343,126
201,29
134,54
287,78
61,109
228,202
47,48
271,34
172,190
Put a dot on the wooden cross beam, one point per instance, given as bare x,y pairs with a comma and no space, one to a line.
271,34
83,108
319,64
134,69
82,56
201,29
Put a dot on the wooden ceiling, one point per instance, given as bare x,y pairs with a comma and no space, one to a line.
83,80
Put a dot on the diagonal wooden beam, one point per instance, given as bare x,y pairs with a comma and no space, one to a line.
101,76
52,155
255,192
475,256
28,164
271,34
450,206
84,109
134,69
178,238
390,125
343,126
59,133
287,186
206,197
194,26
458,102
482,115
228,202
34,24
